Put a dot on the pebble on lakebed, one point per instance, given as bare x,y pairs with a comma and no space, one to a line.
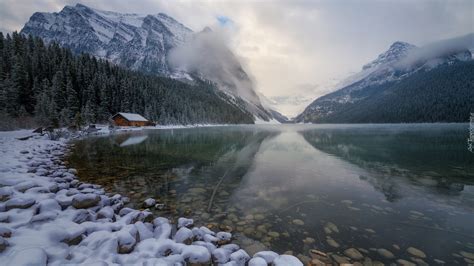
79,223
416,252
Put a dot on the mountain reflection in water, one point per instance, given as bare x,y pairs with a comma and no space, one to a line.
299,187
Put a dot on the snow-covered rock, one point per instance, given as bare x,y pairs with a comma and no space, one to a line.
19,203
196,254
29,257
149,202
185,222
257,261
221,255
240,257
268,256
183,235
287,260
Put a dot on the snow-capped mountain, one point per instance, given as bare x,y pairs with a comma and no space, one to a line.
399,62
397,51
147,43
138,42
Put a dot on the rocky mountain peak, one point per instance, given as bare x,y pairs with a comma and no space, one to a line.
395,52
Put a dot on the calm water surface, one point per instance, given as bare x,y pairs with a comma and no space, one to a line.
302,187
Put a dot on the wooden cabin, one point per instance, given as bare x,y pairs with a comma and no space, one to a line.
130,120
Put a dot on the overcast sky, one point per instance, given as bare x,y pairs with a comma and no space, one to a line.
292,47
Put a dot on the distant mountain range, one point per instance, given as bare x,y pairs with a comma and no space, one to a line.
434,83
154,44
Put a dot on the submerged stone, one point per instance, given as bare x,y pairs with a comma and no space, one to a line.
370,230
332,242
298,222
340,259
405,262
274,234
468,255
416,252
333,227
385,253
353,254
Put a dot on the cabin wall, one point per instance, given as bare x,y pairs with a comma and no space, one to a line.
122,122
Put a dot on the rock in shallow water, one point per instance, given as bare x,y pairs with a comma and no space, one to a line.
353,254
298,222
468,255
332,242
405,262
385,253
416,252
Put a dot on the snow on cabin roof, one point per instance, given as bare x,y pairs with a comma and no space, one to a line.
133,117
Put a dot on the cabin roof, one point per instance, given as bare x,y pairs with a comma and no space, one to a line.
132,117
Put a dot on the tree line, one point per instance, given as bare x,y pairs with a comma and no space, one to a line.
45,84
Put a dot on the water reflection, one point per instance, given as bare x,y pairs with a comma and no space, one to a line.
302,187
430,156
131,140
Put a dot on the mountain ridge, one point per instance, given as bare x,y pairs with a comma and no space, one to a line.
147,43
398,63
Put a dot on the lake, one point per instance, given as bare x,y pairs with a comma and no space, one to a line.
382,189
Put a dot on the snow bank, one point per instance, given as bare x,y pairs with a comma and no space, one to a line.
48,216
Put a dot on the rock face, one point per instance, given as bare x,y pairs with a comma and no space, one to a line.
138,42
154,44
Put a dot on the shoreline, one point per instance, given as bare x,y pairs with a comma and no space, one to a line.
47,216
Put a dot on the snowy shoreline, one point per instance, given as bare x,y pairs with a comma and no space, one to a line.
47,216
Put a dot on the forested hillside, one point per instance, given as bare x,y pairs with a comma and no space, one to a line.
48,85
443,94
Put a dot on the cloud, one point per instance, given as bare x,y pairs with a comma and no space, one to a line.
207,54
286,43
436,49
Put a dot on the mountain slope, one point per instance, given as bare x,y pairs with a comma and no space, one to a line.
444,94
152,44
55,87
384,83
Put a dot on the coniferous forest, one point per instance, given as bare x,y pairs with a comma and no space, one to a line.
44,84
